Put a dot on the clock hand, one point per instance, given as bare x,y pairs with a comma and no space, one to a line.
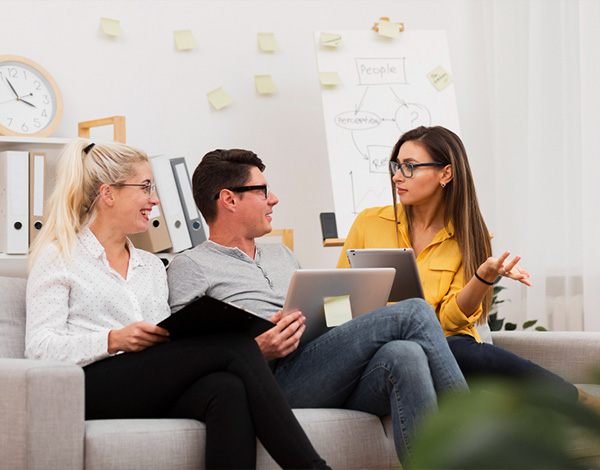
27,102
12,88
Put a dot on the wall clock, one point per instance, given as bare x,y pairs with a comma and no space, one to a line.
30,101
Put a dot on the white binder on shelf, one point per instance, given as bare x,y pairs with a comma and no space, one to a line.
186,196
14,202
37,187
170,202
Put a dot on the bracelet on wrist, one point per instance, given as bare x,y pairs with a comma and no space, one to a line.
483,280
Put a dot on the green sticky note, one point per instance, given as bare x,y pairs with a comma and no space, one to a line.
184,40
389,30
267,42
329,78
111,27
264,84
331,40
337,310
219,98
439,78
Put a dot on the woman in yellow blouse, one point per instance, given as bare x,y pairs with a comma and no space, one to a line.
438,217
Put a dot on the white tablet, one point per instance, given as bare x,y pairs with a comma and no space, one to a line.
368,289
407,284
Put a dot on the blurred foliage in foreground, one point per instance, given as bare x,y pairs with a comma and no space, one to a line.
502,425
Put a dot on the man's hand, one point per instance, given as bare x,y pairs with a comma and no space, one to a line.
284,337
136,337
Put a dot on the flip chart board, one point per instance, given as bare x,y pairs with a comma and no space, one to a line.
384,91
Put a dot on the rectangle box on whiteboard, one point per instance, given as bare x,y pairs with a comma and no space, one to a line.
171,205
156,237
186,196
37,188
14,202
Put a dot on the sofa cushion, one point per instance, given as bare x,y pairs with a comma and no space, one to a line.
346,439
12,316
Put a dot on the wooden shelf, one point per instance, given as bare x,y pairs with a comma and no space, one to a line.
334,242
34,140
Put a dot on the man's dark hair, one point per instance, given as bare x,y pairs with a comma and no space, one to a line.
218,170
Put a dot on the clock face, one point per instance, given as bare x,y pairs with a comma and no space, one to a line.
30,103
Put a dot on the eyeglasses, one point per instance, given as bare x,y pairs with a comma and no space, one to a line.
407,168
149,187
243,189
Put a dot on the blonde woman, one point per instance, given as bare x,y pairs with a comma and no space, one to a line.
94,299
438,217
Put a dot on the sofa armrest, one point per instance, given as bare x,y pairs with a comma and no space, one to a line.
574,355
42,409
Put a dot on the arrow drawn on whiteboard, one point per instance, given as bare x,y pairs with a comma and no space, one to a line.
366,157
399,100
357,108
353,201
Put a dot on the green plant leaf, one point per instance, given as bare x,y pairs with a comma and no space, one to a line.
540,328
529,323
510,326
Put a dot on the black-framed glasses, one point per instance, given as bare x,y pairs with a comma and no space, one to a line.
148,188
243,189
407,169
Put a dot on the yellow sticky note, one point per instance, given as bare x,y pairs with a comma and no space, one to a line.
337,310
267,42
331,40
329,78
111,27
389,30
184,40
219,98
439,78
264,84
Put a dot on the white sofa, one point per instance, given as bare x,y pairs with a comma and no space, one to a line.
42,422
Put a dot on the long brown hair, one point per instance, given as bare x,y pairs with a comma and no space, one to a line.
460,199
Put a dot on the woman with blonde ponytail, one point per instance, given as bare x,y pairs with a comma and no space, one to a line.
438,217
95,300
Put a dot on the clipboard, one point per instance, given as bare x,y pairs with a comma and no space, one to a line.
207,315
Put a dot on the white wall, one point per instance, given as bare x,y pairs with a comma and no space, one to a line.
162,91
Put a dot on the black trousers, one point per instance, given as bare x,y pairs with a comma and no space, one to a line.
222,380
480,359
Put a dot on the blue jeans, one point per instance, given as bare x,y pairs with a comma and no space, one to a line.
392,360
484,359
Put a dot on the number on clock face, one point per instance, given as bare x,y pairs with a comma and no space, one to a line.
27,101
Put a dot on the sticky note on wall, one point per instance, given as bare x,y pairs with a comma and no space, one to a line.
184,40
219,98
264,84
331,40
389,30
330,78
267,42
439,78
337,310
111,27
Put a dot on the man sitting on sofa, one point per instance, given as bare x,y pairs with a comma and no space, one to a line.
393,360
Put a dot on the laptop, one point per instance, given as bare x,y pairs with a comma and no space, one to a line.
407,283
368,289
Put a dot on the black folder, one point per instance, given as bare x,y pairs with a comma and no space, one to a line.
207,315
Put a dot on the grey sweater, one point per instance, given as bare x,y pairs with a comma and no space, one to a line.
259,285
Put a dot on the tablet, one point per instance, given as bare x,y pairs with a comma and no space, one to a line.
206,315
407,283
368,289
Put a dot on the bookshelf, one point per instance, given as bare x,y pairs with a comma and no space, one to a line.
16,265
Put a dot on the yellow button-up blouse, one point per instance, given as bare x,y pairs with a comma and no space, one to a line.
440,263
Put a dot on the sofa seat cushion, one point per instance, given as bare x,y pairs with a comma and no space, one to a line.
12,316
346,439
120,444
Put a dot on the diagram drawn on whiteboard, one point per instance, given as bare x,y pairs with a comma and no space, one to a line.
384,93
